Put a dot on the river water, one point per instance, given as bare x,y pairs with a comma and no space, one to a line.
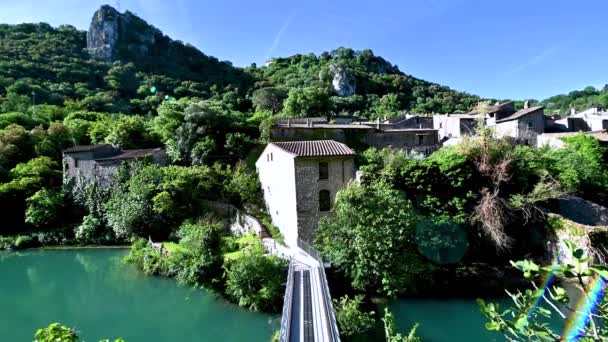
92,291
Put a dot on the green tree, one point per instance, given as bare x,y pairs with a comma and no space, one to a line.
307,102
269,99
43,208
122,78
201,259
388,105
371,239
129,132
255,281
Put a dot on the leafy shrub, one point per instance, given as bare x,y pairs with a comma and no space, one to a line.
391,333
6,242
24,241
56,333
147,259
255,281
352,320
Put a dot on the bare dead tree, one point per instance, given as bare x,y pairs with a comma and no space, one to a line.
490,214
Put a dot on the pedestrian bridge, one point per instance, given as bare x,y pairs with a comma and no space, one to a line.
308,313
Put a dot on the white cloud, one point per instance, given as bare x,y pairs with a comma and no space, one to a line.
534,60
277,37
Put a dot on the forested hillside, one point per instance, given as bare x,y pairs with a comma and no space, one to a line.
57,92
578,99
369,86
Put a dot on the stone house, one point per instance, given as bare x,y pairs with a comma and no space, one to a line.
99,163
451,127
522,126
300,180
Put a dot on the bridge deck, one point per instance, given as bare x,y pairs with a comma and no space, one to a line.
311,312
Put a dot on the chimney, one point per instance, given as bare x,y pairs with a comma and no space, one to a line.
572,111
377,123
526,104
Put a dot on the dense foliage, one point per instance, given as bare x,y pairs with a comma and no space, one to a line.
381,89
578,99
56,332
207,256
527,320
371,239
480,201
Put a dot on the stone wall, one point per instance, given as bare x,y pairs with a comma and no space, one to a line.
422,141
529,127
239,222
308,186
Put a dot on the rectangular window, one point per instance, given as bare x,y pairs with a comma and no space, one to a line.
323,170
420,139
324,200
271,156
75,162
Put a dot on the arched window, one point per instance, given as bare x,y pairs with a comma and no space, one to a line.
323,170
324,200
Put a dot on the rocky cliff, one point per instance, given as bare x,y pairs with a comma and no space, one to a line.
343,82
113,35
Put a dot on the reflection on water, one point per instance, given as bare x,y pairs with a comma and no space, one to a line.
94,292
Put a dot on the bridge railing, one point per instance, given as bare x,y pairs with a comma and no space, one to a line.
310,250
329,308
287,304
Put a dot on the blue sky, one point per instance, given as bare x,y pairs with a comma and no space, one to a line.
501,49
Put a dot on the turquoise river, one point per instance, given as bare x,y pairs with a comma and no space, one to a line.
94,292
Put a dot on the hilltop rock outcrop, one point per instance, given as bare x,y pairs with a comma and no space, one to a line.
343,81
114,35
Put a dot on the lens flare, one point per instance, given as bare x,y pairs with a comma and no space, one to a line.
586,305
544,287
153,89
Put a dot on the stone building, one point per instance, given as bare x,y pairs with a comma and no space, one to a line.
361,135
452,127
99,163
522,126
300,180
592,119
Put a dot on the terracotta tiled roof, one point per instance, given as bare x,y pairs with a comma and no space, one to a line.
316,148
520,113
85,148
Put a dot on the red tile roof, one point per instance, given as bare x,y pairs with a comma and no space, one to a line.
316,148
